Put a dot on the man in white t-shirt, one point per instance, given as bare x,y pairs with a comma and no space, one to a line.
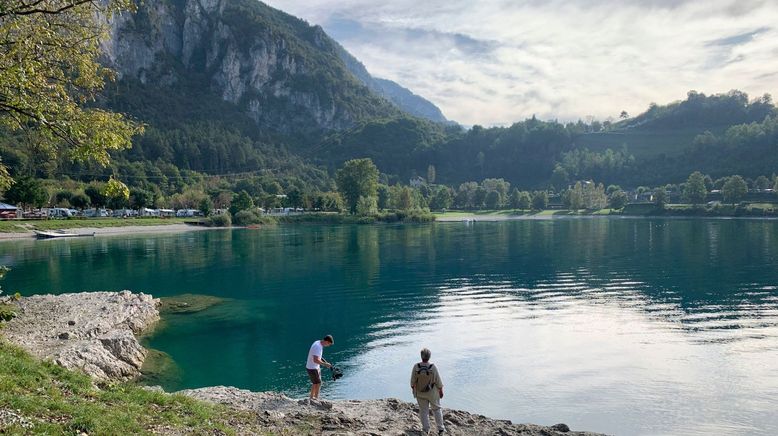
315,360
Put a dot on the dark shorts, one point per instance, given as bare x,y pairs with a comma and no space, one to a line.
314,375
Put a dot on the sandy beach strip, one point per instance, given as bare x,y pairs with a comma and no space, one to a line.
111,231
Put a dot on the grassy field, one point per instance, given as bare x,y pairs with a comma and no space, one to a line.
19,226
52,400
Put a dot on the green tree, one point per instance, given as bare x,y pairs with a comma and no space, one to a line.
117,193
431,174
96,196
479,197
539,200
49,73
357,178
525,200
294,197
493,200
441,198
367,206
140,198
734,190
240,202
694,192
383,197
62,198
618,199
513,200
27,192
79,201
559,178
660,197
206,206
762,183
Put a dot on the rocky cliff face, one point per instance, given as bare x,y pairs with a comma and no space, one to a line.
285,74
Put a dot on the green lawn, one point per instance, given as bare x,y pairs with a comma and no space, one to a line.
18,226
518,213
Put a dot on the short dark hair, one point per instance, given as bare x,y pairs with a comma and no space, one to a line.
425,355
329,339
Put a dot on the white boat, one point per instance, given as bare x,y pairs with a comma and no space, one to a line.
41,234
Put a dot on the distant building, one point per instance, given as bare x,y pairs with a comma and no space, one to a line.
417,182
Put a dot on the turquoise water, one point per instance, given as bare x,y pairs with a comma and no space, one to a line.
633,326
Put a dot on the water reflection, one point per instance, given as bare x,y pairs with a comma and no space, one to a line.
623,326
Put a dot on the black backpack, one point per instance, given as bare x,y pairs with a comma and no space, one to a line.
424,377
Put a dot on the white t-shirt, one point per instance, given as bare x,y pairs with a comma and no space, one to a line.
317,349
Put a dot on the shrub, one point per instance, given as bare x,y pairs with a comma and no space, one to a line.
249,217
222,220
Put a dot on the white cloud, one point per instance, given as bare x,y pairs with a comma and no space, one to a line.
498,61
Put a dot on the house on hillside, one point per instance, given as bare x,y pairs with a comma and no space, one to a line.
8,210
417,182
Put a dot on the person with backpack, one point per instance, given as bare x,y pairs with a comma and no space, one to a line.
314,362
427,387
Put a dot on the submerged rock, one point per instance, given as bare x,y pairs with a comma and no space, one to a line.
159,369
91,331
188,303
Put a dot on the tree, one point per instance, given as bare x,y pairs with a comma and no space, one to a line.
26,192
559,178
624,115
618,199
540,200
441,198
96,196
493,200
762,183
734,190
479,197
117,193
140,198
49,70
525,200
660,197
240,202
294,197
694,192
357,178
367,206
513,200
431,175
79,201
206,206
63,198
383,197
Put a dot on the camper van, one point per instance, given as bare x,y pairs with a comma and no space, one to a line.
60,212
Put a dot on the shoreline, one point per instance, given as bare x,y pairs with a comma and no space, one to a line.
97,333
539,217
117,230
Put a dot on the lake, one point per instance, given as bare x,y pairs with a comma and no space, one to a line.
624,326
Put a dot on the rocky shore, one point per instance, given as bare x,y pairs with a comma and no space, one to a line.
92,331
96,332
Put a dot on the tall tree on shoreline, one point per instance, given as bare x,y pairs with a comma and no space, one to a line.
49,74
357,178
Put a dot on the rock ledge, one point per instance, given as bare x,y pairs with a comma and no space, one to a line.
91,331
278,413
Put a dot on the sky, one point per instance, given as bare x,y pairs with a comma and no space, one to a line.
494,62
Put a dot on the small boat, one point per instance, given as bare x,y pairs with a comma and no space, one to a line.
41,234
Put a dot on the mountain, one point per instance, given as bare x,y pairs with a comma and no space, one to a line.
284,74
404,99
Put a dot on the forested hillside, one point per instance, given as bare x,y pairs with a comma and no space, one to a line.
237,87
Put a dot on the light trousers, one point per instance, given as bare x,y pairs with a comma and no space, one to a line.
425,403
